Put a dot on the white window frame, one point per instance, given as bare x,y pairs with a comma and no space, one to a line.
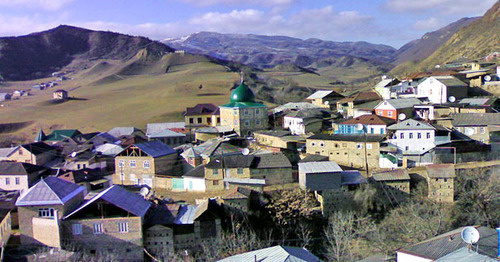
97,227
46,212
77,229
122,227
389,113
132,164
146,164
482,130
121,163
369,146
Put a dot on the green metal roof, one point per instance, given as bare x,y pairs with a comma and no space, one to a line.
242,93
61,134
243,104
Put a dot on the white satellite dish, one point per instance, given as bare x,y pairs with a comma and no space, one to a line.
469,131
327,102
73,154
487,78
245,151
452,99
470,235
402,116
144,191
359,127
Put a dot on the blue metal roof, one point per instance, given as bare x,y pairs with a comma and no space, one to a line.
49,191
156,148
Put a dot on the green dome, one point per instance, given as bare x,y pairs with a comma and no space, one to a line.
242,93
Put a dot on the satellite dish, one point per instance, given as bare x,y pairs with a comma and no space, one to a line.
487,78
359,127
73,154
402,116
469,131
144,191
245,151
452,99
470,235
327,102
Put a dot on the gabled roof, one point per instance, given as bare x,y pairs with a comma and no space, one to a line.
368,120
290,106
391,175
348,137
165,133
273,160
320,167
155,148
314,158
361,97
451,241
401,103
109,149
123,131
5,152
202,109
308,113
103,138
352,177
214,129
323,93
189,213
49,191
478,101
464,254
275,254
119,197
79,176
411,124
61,134
17,168
38,148
157,127
440,170
450,81
480,119
239,193
387,82
198,171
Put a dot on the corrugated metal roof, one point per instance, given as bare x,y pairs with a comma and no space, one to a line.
441,170
319,167
152,128
5,152
250,181
49,191
17,168
123,131
352,177
450,81
369,120
479,101
155,148
294,106
479,119
349,137
165,133
401,103
275,254
396,174
274,160
411,124
446,243
465,254
121,198
320,94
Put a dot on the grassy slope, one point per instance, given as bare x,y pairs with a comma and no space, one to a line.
135,100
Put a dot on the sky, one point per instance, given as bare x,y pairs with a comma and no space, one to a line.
390,22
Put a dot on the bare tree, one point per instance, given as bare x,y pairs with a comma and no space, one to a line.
340,234
305,233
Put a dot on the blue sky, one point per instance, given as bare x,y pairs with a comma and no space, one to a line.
391,22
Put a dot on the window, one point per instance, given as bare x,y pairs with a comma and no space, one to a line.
199,120
344,144
419,135
146,164
402,135
123,227
216,171
369,146
257,111
407,148
247,123
389,113
191,120
215,182
132,177
20,151
77,229
240,171
18,181
132,163
321,144
218,120
98,228
121,163
313,143
246,112
7,180
235,111
372,130
482,130
46,212
428,135
411,136
257,122
359,146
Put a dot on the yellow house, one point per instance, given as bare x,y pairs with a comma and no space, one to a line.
202,115
440,178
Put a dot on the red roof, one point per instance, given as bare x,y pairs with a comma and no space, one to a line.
369,120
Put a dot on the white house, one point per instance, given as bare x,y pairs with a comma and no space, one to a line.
304,121
194,180
442,89
412,136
